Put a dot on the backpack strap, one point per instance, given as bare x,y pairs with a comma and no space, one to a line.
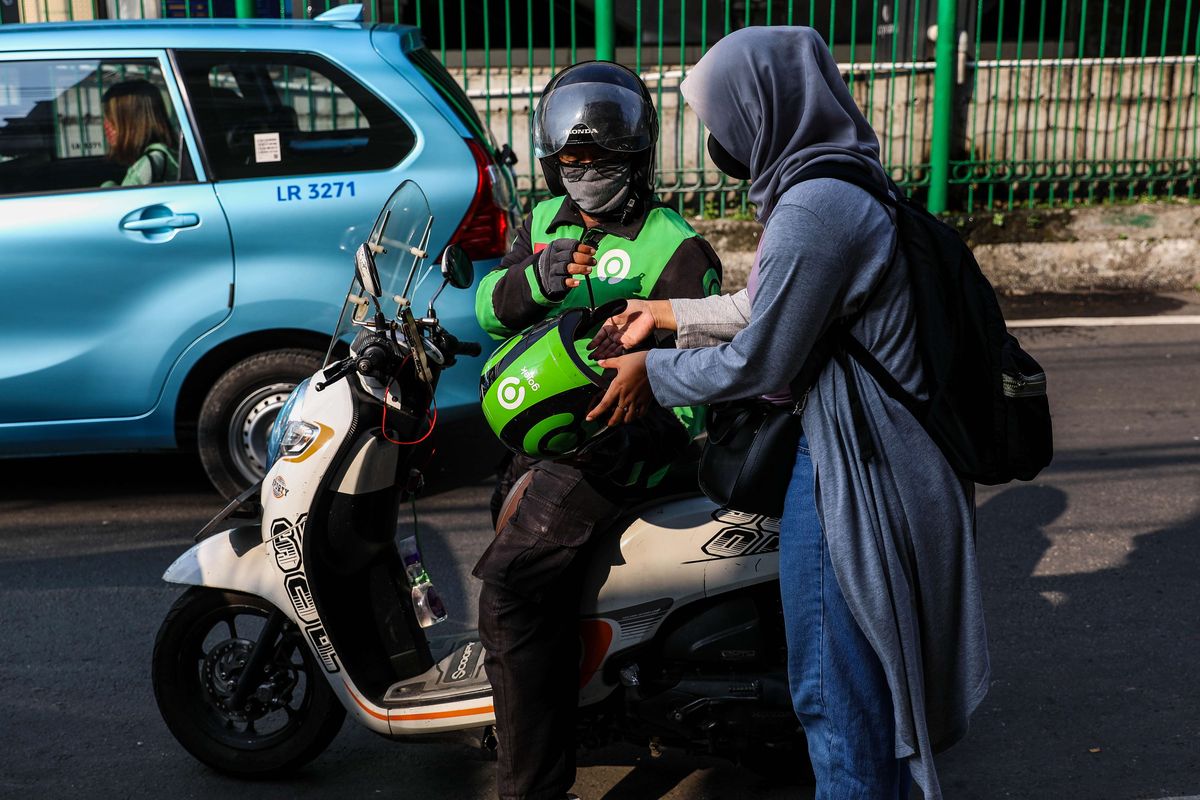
160,158
866,445
847,173
886,381
833,340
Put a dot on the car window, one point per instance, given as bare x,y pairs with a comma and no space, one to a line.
269,114
77,124
441,80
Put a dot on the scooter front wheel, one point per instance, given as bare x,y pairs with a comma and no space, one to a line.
286,719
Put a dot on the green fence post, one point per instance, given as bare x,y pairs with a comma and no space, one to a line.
606,23
244,9
943,106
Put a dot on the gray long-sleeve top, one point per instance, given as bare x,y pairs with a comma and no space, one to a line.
900,528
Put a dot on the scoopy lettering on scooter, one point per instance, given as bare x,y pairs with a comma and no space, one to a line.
749,534
301,597
323,647
287,538
461,671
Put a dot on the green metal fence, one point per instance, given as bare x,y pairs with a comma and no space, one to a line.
1025,102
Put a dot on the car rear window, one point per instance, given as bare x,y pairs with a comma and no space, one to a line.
275,114
441,80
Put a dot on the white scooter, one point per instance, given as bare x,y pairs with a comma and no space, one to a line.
312,608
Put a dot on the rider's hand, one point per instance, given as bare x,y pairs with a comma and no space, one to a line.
561,259
629,395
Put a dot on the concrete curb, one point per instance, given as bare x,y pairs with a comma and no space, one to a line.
1153,247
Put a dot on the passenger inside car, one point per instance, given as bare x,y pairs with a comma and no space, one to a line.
139,134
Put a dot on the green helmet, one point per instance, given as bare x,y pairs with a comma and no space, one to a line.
538,386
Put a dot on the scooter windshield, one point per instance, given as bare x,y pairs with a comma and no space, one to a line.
399,240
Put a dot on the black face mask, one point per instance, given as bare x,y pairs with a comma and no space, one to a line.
725,162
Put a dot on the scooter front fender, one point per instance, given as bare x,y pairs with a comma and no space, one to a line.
234,559
238,560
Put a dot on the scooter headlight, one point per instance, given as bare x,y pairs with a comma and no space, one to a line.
290,434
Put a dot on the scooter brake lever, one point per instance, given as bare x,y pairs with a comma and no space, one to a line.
340,370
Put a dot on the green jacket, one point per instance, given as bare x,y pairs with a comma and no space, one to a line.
655,256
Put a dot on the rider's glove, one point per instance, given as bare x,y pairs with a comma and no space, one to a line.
552,268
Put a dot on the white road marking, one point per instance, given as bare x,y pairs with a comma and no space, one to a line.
1104,322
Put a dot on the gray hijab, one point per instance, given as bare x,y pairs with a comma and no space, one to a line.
773,97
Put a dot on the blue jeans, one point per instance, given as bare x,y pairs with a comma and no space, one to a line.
837,683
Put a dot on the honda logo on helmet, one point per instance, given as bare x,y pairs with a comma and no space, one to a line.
584,128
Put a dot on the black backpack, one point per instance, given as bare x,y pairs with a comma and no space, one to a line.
987,408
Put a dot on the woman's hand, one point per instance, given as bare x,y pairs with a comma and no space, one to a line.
631,327
629,395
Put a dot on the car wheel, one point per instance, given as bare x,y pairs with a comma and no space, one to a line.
237,414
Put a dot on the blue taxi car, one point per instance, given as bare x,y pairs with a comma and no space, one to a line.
179,311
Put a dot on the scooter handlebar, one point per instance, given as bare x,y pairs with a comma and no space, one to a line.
471,349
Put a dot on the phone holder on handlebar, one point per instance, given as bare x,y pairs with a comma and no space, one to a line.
592,239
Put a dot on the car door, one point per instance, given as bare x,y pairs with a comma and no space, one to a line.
303,156
102,285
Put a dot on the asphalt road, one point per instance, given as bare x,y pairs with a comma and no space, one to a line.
1092,585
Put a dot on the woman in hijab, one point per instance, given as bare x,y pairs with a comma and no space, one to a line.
887,652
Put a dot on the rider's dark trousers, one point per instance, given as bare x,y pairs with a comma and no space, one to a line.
529,624
532,575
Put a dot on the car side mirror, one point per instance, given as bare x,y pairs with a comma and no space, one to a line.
368,273
457,268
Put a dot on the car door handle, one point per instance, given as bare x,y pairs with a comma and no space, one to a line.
152,223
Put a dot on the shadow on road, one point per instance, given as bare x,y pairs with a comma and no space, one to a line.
106,476
1094,672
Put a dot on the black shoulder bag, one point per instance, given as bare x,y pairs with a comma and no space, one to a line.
748,459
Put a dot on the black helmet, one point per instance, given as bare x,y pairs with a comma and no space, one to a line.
600,103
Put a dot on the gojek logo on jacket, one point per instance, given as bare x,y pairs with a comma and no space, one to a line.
614,266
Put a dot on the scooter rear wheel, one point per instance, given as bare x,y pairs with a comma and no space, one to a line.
289,718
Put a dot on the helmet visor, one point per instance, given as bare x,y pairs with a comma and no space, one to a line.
612,117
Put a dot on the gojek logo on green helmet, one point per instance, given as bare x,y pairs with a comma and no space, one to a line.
536,388
510,392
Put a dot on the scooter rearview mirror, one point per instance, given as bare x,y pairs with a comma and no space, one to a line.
457,271
368,272
456,267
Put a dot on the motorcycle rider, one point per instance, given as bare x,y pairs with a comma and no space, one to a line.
595,131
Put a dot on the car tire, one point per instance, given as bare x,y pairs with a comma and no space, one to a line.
236,416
